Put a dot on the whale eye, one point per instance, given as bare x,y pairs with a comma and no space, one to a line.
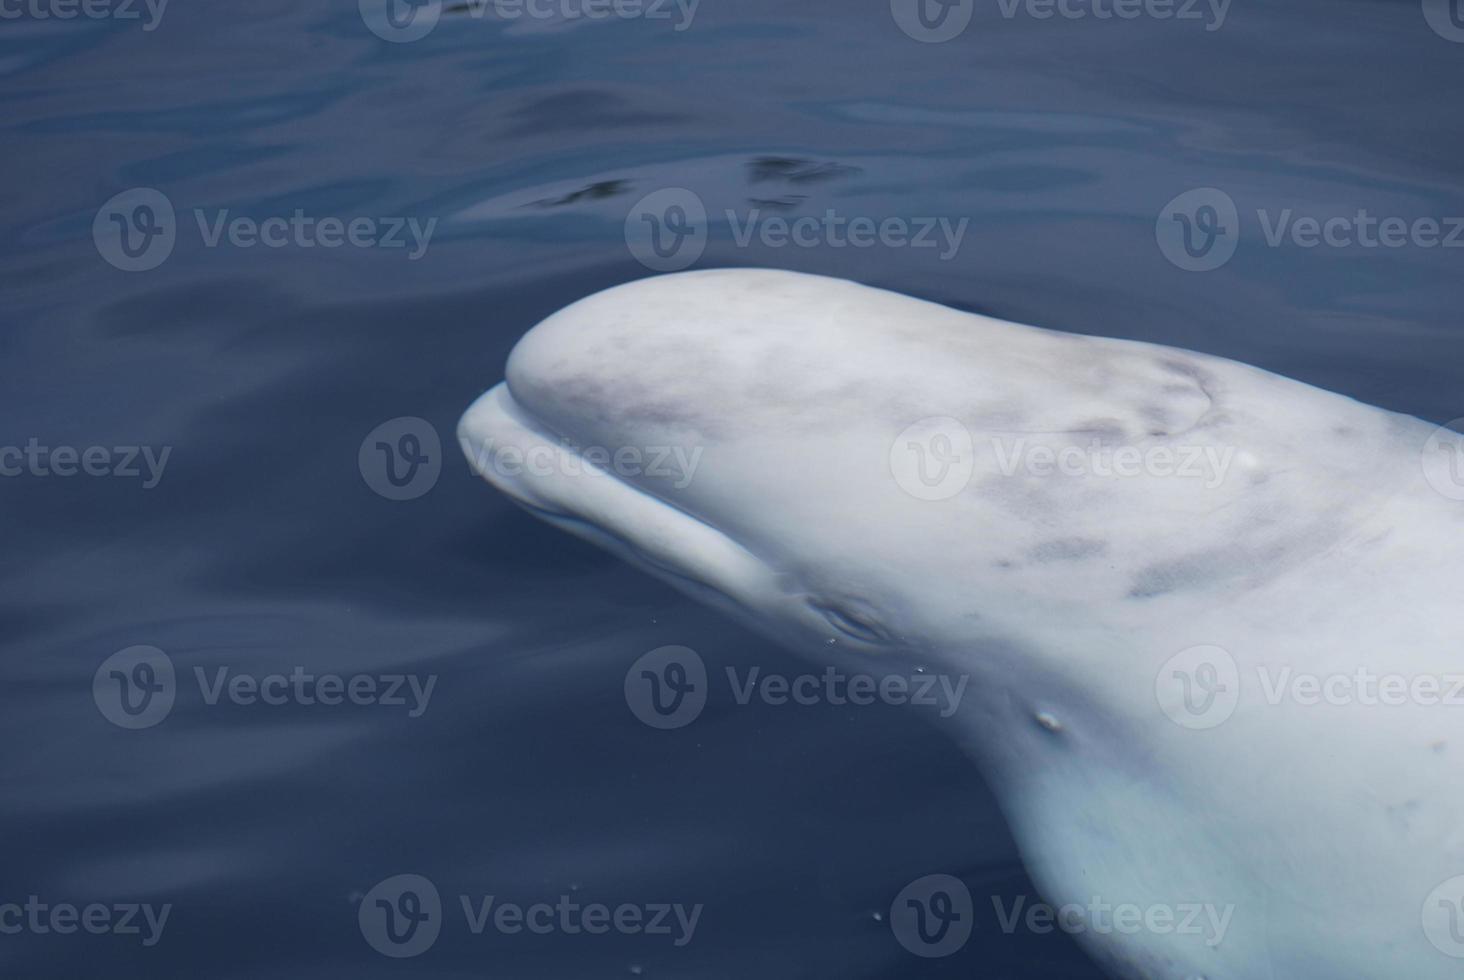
851,621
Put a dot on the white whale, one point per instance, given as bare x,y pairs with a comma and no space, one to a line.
1168,669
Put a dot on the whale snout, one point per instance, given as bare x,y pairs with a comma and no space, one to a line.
698,425
673,354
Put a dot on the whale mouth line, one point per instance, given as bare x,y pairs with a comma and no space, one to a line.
576,495
534,434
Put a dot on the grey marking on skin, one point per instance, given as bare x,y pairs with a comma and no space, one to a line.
1403,815
1067,549
1185,368
1181,573
1108,432
1160,419
1255,561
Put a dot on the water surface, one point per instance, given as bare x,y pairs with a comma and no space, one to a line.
262,369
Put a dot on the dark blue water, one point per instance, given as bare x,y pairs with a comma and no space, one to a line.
258,545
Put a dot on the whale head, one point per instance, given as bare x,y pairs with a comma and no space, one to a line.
834,462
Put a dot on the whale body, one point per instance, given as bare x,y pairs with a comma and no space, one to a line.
1225,683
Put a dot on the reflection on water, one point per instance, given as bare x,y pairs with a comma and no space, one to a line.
262,363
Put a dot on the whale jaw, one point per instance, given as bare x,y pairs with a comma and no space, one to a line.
552,478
